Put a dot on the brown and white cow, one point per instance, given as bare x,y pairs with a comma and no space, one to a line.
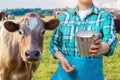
3,16
116,16
117,25
21,46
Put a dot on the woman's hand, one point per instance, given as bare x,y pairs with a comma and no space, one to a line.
65,64
98,47
95,48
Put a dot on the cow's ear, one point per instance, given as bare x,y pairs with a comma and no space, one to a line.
11,26
52,24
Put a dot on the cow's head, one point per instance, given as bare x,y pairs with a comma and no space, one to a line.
29,34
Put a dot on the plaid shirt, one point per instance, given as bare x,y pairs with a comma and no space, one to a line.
63,38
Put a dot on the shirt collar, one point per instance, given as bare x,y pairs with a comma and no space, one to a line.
94,10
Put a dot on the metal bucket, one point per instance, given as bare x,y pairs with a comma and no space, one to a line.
84,41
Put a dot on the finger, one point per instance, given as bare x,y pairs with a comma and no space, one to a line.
93,54
71,69
67,65
94,51
65,68
94,47
98,41
68,68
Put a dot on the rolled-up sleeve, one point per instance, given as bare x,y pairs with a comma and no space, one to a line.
109,34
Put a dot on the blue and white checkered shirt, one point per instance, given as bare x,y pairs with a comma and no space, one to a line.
63,38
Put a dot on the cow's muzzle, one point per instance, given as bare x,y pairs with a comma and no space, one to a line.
33,55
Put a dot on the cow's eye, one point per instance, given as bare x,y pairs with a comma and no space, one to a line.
21,32
42,31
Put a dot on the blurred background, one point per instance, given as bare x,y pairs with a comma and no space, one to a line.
49,9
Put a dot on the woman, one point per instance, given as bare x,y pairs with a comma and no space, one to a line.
63,45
